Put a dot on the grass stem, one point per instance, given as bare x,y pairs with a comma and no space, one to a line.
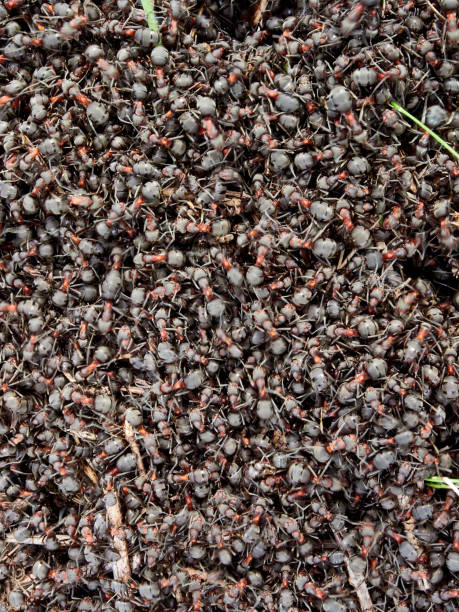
440,140
443,482
149,9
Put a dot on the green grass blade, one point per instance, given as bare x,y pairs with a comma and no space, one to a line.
443,143
435,485
149,10
440,482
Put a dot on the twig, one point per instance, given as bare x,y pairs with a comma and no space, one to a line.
341,262
122,356
40,540
204,576
82,435
130,437
412,539
442,17
134,390
5,554
193,30
258,14
233,199
121,569
357,580
91,474
17,505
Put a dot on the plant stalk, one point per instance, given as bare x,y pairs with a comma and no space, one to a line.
440,140
149,10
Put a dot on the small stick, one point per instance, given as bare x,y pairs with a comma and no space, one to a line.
130,437
122,356
258,14
202,576
40,540
435,11
193,30
342,263
16,505
412,539
135,390
121,569
357,580
91,474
